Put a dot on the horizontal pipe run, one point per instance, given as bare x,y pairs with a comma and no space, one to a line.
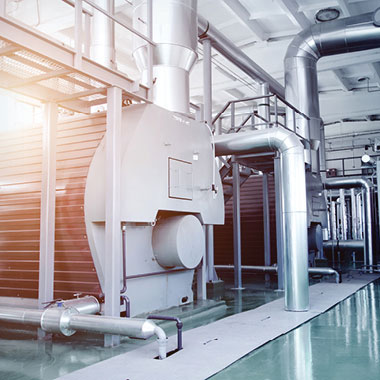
272,269
235,55
67,320
344,245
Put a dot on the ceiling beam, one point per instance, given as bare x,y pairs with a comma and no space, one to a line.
244,17
343,81
291,9
354,104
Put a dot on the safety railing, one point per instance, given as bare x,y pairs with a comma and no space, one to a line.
259,112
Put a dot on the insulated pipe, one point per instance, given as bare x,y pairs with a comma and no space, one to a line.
270,269
235,55
294,202
67,321
132,327
348,183
345,35
103,35
84,305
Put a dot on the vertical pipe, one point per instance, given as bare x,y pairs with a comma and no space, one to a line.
103,35
343,214
279,224
353,215
78,34
263,107
149,21
334,234
207,109
232,108
266,220
359,215
113,225
47,216
87,34
237,224
3,8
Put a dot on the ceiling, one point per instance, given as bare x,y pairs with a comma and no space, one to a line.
263,30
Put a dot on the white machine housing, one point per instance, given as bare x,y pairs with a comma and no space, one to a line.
166,197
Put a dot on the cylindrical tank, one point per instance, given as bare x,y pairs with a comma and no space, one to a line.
174,31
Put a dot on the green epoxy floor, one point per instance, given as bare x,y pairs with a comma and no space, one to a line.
343,343
23,357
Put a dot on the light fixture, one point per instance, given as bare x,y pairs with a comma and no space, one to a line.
327,14
367,159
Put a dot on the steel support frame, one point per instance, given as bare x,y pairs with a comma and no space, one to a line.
266,221
47,216
113,222
236,224
378,189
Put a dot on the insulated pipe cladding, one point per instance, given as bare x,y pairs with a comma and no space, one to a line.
349,183
294,207
65,318
345,35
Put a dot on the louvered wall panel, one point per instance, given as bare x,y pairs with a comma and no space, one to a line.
20,191
252,231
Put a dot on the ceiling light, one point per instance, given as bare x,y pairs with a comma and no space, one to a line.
362,79
327,14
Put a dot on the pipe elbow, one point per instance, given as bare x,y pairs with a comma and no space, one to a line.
161,340
303,45
285,141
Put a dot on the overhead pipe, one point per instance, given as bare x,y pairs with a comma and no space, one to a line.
349,183
235,55
274,269
67,320
345,35
294,203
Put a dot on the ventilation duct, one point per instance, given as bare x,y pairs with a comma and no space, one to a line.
301,85
174,31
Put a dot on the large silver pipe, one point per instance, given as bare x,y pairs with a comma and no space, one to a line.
67,320
346,35
348,183
235,55
272,269
103,35
174,31
294,202
84,305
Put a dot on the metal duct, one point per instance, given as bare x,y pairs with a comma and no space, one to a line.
301,83
294,203
235,55
174,31
103,35
349,183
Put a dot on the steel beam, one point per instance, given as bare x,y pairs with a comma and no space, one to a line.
378,190
47,216
113,223
202,275
266,220
236,224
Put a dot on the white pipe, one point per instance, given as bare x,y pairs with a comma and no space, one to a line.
294,205
103,35
67,320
